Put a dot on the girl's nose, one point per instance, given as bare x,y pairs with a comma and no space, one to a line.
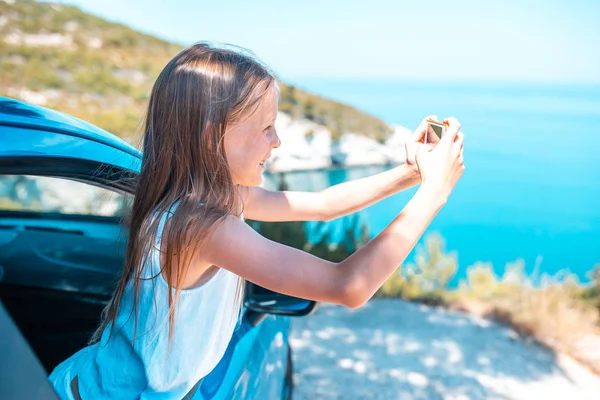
276,141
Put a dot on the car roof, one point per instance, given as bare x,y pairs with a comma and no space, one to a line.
26,115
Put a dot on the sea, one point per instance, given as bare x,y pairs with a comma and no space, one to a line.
531,189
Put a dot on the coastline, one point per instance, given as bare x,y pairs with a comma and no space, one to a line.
334,167
308,146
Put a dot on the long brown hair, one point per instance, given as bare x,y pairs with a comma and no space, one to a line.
197,95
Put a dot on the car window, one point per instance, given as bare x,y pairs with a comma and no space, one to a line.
44,194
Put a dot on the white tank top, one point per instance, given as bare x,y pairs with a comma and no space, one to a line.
205,320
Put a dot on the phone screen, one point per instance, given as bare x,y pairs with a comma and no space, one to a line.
434,133
438,129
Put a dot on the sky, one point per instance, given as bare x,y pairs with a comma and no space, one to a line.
511,40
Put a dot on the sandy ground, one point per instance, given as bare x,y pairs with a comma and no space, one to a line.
391,349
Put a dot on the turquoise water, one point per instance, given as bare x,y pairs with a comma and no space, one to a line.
531,189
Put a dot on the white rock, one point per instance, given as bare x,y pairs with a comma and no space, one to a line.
134,76
71,26
307,145
28,96
40,39
94,43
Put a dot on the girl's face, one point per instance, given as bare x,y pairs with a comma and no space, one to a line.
249,142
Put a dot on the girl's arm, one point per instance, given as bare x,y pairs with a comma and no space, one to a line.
334,202
235,246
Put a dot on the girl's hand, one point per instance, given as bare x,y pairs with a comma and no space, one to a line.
442,167
416,140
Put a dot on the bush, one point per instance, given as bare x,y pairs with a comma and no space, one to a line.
427,280
102,81
591,294
551,313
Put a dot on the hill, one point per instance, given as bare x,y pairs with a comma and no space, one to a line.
100,71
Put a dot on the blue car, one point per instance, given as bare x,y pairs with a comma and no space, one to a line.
64,187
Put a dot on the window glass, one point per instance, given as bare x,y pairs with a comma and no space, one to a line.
57,195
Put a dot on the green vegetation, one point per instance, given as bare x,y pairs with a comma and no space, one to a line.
591,294
426,280
103,72
337,117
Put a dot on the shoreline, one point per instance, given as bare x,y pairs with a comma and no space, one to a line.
336,167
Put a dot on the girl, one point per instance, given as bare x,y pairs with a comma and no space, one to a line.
209,130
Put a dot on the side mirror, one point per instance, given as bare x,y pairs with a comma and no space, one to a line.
263,301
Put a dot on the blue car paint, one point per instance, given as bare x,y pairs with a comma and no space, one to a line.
20,114
254,365
40,143
253,352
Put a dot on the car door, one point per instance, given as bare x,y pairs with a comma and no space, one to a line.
61,248
258,363
254,364
62,196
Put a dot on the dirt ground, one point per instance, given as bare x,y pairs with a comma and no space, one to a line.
392,349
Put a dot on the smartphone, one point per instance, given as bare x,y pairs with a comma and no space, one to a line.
435,131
